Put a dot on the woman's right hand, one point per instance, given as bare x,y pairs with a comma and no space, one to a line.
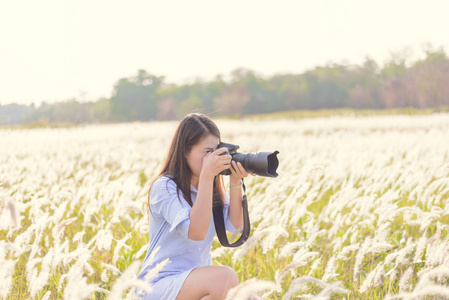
214,162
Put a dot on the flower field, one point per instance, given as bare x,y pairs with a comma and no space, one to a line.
359,211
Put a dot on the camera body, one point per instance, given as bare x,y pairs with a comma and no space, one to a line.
261,163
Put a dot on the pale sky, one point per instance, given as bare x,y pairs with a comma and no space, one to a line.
56,50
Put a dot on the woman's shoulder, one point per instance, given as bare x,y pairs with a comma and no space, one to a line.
162,190
163,182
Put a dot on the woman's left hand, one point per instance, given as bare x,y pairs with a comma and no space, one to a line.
238,172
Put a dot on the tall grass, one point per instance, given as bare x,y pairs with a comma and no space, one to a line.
359,210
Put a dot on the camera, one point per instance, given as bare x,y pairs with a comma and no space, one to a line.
261,163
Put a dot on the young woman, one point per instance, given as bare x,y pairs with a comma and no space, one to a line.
181,225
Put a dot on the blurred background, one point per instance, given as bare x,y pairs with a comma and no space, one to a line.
116,61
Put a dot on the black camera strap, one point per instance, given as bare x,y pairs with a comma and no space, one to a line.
219,222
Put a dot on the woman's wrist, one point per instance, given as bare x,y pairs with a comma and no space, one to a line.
235,186
235,182
204,176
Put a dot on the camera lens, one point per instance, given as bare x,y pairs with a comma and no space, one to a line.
261,163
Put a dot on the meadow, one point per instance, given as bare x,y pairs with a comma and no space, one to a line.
359,211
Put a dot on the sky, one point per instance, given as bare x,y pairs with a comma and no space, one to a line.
58,50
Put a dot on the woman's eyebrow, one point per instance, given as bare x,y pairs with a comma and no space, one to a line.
208,148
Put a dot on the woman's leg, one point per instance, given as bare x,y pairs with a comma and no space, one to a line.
208,283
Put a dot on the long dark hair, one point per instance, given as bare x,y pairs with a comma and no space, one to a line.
192,128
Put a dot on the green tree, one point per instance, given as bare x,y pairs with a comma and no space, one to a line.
135,98
188,105
232,100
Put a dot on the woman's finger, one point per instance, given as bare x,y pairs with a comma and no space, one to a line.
235,171
220,151
242,170
233,167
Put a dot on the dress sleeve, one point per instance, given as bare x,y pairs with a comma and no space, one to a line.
165,203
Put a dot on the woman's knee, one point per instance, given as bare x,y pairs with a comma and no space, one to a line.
213,281
230,276
225,279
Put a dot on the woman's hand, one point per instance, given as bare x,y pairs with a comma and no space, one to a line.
214,162
237,173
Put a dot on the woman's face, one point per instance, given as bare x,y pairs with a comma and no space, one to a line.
199,150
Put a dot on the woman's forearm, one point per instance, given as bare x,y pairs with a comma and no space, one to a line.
201,211
235,206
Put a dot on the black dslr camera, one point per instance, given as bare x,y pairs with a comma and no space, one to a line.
261,163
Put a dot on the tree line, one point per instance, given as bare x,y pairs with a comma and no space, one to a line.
398,83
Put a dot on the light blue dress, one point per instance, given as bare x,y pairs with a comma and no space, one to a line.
168,233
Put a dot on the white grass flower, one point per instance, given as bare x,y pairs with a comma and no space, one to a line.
404,281
77,286
26,236
427,287
46,296
141,251
370,279
393,274
359,258
119,246
403,253
312,238
297,284
64,223
128,279
391,257
422,243
288,249
343,255
329,272
152,273
133,206
12,248
249,289
218,252
88,269
338,242
439,274
314,266
252,240
13,213
380,247
382,233
303,256
330,289
380,273
6,276
37,283
442,171
111,268
105,276
67,257
274,233
437,251
47,241
78,238
290,267
31,270
104,239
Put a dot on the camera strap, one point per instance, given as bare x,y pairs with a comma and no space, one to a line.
219,222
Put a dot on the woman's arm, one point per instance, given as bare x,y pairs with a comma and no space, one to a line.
235,194
201,211
235,205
